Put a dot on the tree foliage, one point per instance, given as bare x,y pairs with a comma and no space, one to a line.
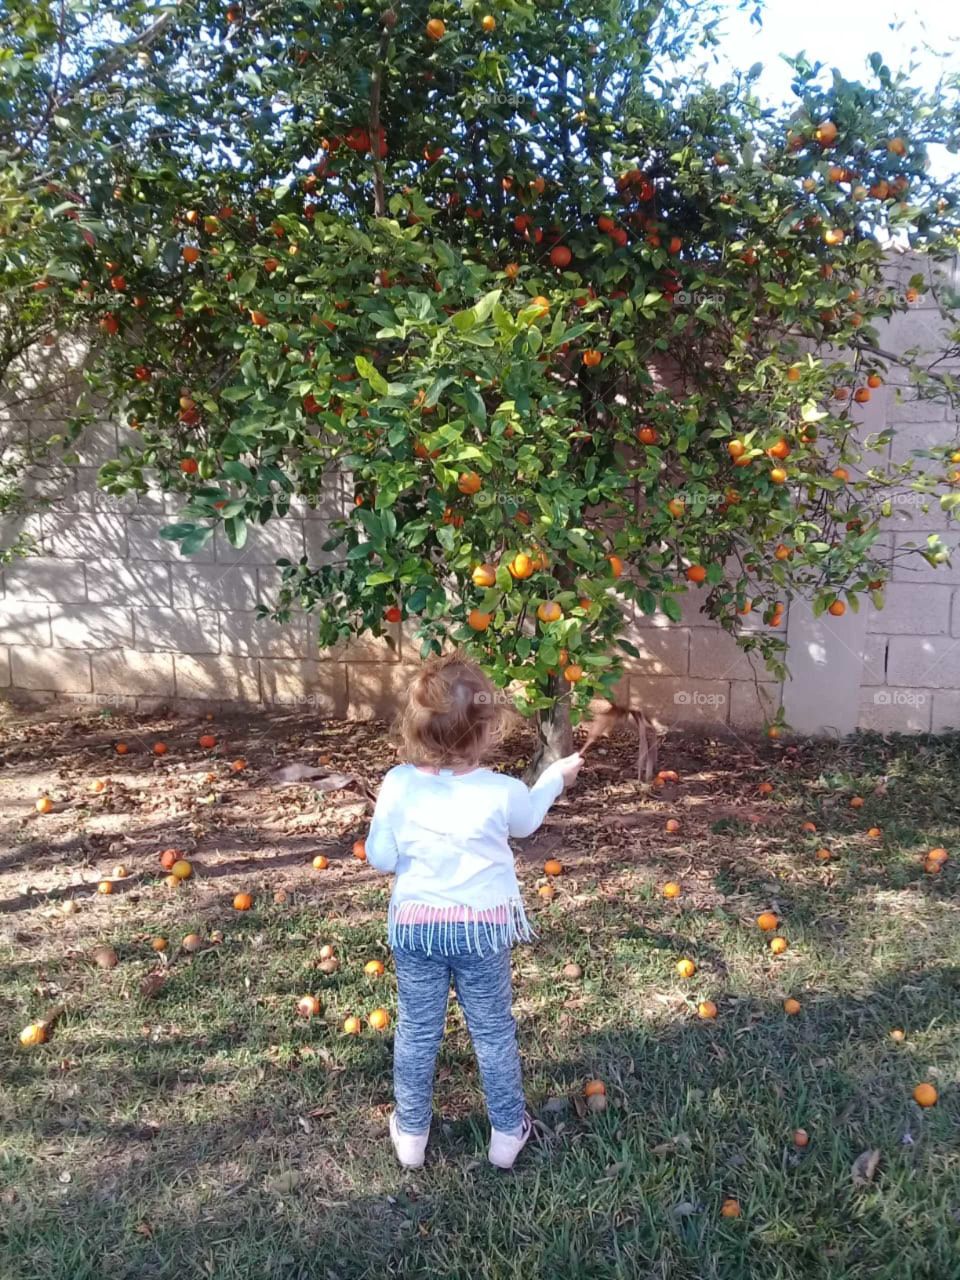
565,316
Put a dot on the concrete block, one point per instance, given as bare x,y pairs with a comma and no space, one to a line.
25,624
912,610
43,578
359,649
875,660
85,537
664,652
752,706
376,691
946,710
223,587
896,710
4,667
715,655
177,630
21,530
691,603
321,686
57,670
91,627
278,539
97,444
146,544
910,566
923,662
222,677
248,636
128,582
680,701
128,672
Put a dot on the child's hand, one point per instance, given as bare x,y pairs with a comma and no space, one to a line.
569,768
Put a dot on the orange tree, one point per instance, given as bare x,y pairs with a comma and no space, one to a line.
576,328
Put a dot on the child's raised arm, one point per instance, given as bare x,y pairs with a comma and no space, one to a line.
528,806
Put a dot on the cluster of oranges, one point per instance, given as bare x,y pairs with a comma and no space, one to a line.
309,1006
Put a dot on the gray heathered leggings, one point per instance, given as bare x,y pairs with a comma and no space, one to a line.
482,984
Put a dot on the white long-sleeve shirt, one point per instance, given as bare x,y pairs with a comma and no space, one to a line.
446,838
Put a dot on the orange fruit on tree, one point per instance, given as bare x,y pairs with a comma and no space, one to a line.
320,863
521,566
308,1006
484,575
793,373
778,476
730,1208
696,573
182,869
837,609
243,902
791,1006
379,1019
190,254
686,968
671,889
573,673
374,969
436,29
488,22
874,380
833,236
469,483
780,450
861,395
767,921
840,473
360,850
647,435
616,566
707,1009
549,611
541,303
511,270
676,507
897,147
592,357
44,805
778,946
479,620
826,133
552,867
560,256
594,1087
736,449
925,1095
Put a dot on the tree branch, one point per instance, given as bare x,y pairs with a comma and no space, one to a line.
379,190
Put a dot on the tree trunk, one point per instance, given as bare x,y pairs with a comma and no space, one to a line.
554,739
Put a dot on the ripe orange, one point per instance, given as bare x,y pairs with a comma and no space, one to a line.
668,775
327,951
484,575
616,566
837,609
730,1209
488,22
360,850
823,855
320,863
479,620
898,1035
379,1019
469,483
925,1095
173,882
552,867
671,889
546,891
778,476
594,1087
207,741
541,303
767,921
44,804
33,1034
686,968
104,887
840,473
521,566
793,373
182,869
549,611
874,380
778,946
826,133
736,449
647,435
672,826
696,573
801,1138
190,254
159,944
765,788
119,873
790,1005
861,395
351,1026
897,147
308,1006
780,450
561,257
238,766
243,902
159,748
436,29
856,802
168,858
937,855
707,1009
809,827
591,358
833,236
97,786
573,673
374,969
874,833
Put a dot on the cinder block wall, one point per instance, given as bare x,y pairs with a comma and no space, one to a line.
108,613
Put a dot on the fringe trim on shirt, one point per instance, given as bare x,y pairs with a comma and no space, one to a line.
487,930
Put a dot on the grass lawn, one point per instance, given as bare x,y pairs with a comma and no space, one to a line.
197,1127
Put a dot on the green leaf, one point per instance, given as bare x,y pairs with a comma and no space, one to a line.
475,406
235,527
671,607
379,578
247,281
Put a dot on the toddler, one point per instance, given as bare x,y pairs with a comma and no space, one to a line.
442,824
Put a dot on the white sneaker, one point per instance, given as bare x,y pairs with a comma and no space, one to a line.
504,1147
410,1147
